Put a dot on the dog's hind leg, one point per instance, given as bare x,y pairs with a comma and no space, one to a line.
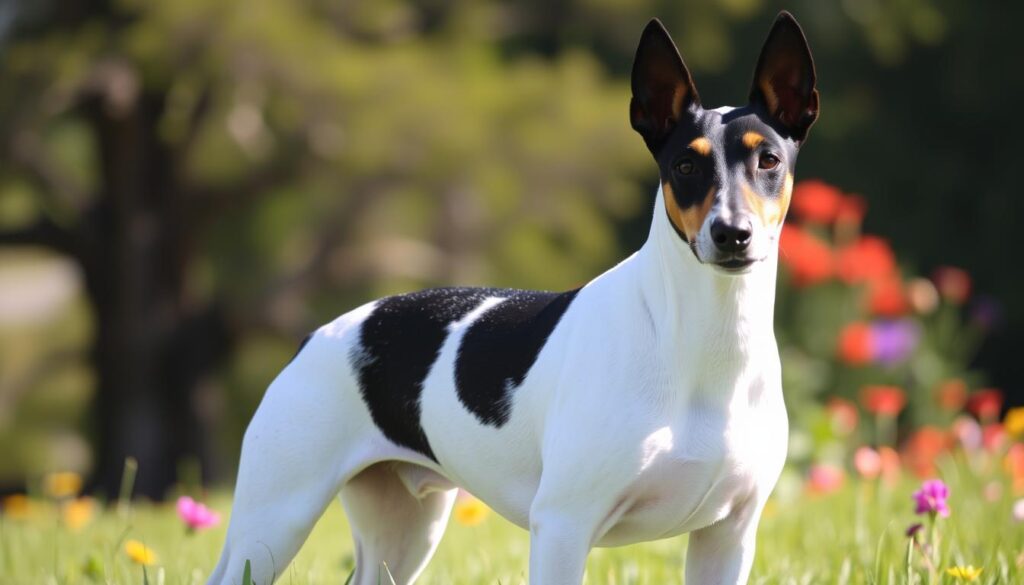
398,514
297,451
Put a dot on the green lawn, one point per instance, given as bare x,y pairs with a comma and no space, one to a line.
855,535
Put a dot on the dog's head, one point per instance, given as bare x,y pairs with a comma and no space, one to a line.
727,173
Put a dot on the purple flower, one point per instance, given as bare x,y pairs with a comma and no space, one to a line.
195,515
894,341
986,313
931,498
913,529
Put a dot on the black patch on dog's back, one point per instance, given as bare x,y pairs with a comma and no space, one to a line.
500,347
399,342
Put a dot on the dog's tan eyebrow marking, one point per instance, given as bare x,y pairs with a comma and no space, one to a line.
752,139
701,146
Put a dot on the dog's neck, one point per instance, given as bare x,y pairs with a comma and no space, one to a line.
694,307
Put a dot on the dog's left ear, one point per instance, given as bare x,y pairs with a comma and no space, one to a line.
784,79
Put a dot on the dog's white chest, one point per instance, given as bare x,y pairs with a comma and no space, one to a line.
695,472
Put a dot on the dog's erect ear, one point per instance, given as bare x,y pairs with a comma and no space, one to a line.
784,79
662,87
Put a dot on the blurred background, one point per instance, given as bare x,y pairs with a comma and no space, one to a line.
187,188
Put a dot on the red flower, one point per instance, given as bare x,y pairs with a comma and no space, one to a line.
816,201
923,447
886,298
868,259
856,344
993,436
951,394
851,210
883,400
808,259
843,415
954,284
985,404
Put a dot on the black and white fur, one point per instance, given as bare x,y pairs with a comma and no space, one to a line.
644,405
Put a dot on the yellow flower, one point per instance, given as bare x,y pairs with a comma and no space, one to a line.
471,511
968,573
65,484
18,507
139,553
78,512
1014,421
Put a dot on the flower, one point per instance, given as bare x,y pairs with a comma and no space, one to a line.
18,507
1013,463
968,573
868,259
985,404
1014,421
139,553
890,464
867,462
886,298
883,400
922,295
78,512
951,394
808,259
64,484
825,478
195,515
931,498
913,529
894,341
923,447
856,344
953,284
470,511
843,415
816,201
986,313
993,436
1018,510
968,433
851,210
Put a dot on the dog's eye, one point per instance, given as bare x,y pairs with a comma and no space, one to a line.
768,161
686,167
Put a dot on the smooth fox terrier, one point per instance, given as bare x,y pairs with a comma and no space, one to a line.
646,404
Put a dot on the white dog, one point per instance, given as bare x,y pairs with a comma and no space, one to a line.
646,404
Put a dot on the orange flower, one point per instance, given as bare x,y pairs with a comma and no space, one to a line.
951,394
890,464
883,400
816,201
954,284
843,415
923,447
867,462
856,345
808,259
78,512
19,507
868,259
886,297
1013,463
985,404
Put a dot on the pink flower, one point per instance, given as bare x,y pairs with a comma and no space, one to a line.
868,462
825,478
195,515
931,498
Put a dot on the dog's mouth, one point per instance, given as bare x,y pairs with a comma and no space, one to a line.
735,265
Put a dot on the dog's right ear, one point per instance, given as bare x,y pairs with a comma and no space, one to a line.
663,90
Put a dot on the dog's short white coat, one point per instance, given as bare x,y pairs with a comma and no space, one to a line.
655,408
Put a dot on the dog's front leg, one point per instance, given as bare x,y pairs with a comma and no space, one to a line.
559,544
722,554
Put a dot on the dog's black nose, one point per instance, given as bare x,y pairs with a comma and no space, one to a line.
731,237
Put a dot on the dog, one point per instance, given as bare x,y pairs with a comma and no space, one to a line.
644,405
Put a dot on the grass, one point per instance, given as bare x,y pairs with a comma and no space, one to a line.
853,536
